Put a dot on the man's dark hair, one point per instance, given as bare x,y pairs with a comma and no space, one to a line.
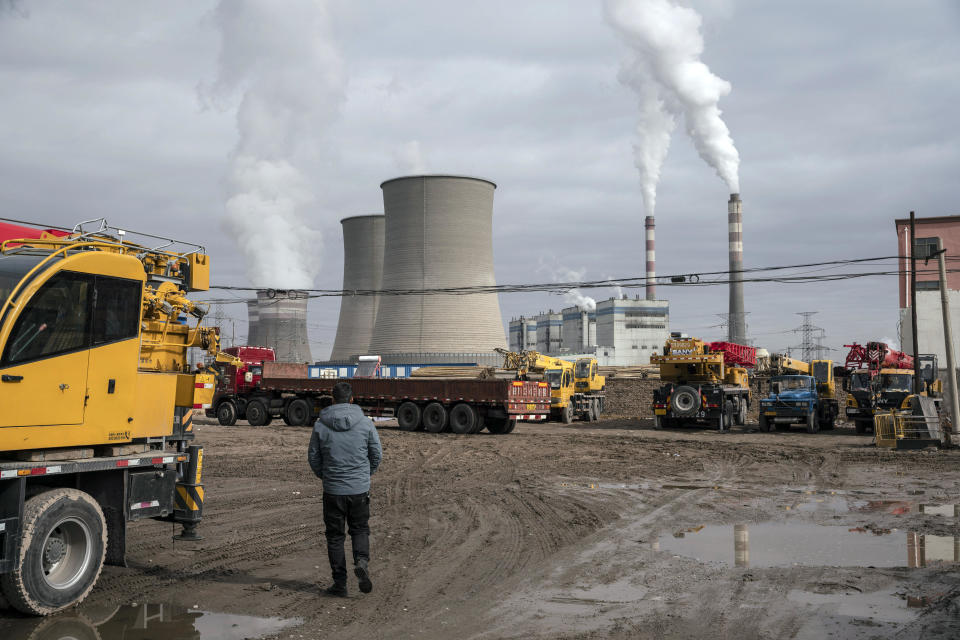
342,392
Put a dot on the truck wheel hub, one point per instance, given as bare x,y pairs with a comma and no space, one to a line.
54,550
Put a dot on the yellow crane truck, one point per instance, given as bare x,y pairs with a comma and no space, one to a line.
704,383
576,388
97,402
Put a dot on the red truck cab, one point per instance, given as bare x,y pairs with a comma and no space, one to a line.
236,382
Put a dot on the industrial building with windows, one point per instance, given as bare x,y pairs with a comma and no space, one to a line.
929,231
619,332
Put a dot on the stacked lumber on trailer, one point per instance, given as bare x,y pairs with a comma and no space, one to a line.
640,371
465,373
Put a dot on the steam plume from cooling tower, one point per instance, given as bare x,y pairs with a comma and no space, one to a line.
291,75
670,80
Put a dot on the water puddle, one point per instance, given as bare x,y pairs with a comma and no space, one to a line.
142,622
877,614
776,544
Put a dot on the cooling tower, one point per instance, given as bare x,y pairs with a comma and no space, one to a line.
283,324
651,260
362,271
736,321
438,235
253,323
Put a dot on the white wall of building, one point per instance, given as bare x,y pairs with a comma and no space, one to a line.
930,325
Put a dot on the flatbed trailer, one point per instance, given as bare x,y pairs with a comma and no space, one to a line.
297,393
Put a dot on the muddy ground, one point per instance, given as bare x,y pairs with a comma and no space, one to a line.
575,531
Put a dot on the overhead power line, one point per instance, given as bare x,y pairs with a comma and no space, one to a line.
694,279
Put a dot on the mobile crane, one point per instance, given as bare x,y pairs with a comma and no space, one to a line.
576,388
705,382
98,399
880,379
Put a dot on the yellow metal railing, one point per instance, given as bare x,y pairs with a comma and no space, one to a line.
897,429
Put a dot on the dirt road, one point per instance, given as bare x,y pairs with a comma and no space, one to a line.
612,530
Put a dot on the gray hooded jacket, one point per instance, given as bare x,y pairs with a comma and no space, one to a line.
344,450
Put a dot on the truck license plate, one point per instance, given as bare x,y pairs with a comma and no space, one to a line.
769,413
531,407
852,411
660,412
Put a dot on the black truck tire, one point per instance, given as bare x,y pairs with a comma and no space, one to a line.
685,401
861,425
481,423
813,425
742,412
434,417
63,545
764,423
257,414
499,426
408,416
566,416
657,422
299,412
227,413
463,418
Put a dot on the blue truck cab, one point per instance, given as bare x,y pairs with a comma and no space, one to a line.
796,399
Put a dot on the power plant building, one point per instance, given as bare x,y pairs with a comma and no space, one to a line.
630,330
550,332
438,235
620,332
363,242
579,330
523,334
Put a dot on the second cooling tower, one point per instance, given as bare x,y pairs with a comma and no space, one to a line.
438,235
362,272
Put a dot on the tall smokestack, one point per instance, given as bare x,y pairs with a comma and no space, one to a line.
736,322
651,261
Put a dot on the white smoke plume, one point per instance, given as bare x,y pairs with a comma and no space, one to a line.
565,274
409,158
283,59
670,80
893,343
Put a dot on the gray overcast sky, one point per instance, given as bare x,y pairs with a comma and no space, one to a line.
844,114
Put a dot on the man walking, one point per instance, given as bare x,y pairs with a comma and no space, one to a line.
344,452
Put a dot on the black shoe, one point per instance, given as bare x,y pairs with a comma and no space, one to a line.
337,590
363,575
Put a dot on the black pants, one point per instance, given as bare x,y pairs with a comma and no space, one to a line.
355,512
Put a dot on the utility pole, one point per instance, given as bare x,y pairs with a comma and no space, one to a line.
948,343
913,302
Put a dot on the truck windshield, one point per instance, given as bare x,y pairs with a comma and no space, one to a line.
583,369
896,381
12,270
859,381
791,383
553,377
